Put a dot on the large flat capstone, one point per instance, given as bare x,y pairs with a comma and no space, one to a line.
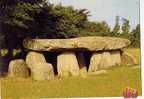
89,43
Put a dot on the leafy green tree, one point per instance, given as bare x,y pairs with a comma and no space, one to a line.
105,29
1,40
116,29
125,29
69,21
135,36
96,29
15,18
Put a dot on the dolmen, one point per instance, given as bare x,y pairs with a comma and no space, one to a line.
76,56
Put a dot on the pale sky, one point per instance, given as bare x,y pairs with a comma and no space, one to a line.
106,9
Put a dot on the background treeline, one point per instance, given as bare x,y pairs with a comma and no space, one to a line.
20,19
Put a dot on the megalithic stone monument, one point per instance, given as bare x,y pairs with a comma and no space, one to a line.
106,52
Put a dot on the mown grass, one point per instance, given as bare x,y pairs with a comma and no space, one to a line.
110,84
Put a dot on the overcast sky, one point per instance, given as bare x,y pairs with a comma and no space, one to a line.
107,9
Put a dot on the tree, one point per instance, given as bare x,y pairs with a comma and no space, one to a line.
105,29
1,40
65,22
15,18
116,29
135,36
125,29
96,29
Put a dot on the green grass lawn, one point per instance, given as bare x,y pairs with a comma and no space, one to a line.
110,84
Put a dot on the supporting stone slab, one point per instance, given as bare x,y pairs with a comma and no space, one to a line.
95,62
116,57
33,58
106,61
18,68
43,71
67,64
128,59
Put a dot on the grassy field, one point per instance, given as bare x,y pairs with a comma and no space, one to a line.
110,84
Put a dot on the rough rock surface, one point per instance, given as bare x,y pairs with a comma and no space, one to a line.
89,43
43,71
103,60
95,62
106,61
128,59
67,64
33,58
18,68
116,57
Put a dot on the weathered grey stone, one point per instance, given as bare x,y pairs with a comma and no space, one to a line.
95,62
128,59
89,43
34,58
67,64
116,57
106,61
106,53
18,68
42,71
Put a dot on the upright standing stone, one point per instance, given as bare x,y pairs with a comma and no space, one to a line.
43,71
18,68
95,62
128,59
67,64
33,58
116,57
106,61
